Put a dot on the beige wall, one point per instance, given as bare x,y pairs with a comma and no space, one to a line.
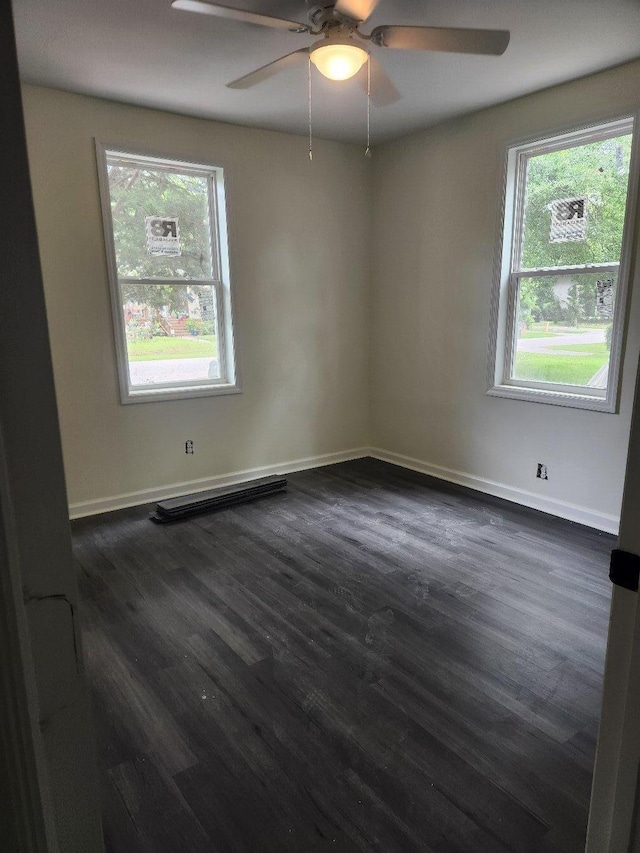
317,277
298,241
435,209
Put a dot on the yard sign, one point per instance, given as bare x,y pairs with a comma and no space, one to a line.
604,298
163,235
568,220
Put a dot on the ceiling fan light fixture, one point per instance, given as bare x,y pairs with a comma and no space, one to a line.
338,60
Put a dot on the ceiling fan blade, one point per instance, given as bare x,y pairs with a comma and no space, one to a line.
234,14
448,39
383,92
355,10
268,70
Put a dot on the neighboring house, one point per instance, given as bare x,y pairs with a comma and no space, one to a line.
199,305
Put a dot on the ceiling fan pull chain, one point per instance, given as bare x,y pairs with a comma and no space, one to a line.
367,152
310,116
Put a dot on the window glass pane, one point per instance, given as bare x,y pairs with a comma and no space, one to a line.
172,333
574,204
161,225
563,332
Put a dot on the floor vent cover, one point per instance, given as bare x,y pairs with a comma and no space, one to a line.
176,509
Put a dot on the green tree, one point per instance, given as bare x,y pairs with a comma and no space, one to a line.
527,303
574,307
137,193
547,306
599,172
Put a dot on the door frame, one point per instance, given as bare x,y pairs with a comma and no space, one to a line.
28,822
614,793
49,790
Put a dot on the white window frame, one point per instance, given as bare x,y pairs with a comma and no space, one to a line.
220,281
507,271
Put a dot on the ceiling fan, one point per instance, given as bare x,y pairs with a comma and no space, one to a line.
337,54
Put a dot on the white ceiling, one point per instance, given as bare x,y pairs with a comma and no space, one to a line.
144,52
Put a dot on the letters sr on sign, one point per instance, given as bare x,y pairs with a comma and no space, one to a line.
568,220
163,235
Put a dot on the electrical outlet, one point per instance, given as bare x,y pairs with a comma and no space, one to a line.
543,473
188,447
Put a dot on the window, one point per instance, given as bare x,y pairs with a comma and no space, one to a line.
166,241
560,290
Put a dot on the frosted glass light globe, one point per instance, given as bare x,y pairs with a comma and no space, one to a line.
338,61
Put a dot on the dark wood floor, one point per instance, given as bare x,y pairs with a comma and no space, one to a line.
371,661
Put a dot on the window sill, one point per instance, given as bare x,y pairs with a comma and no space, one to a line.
186,392
554,398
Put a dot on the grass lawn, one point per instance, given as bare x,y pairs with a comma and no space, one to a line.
538,333
591,349
160,349
540,330
567,369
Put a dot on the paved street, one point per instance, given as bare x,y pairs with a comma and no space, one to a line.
173,370
550,345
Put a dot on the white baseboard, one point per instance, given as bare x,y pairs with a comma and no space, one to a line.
572,512
79,510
